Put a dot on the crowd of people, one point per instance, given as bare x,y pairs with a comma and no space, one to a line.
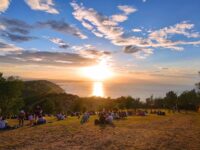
107,117
35,118
104,117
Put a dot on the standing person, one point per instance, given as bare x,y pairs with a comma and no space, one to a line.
21,118
38,112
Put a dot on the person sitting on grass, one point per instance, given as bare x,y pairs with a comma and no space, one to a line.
41,120
60,116
31,119
3,124
109,119
38,112
85,118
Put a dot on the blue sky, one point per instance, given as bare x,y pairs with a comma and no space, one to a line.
148,40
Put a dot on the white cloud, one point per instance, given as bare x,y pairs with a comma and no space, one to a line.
42,5
127,9
136,30
161,36
87,25
119,18
143,53
90,51
4,4
2,27
97,33
103,26
59,42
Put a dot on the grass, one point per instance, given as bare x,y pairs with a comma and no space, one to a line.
174,132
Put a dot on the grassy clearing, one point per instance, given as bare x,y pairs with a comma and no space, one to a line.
174,131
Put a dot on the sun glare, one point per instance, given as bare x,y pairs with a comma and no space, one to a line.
98,89
98,72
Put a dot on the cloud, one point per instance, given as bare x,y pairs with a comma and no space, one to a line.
15,25
46,58
4,4
161,36
17,38
5,47
90,51
143,53
131,49
63,27
42,5
140,53
2,27
127,9
59,42
107,27
100,24
15,30
119,18
136,30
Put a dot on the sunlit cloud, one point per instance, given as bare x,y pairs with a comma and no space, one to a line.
4,4
119,18
5,47
45,58
61,44
42,5
107,28
127,9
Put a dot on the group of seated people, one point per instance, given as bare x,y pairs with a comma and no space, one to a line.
104,118
141,113
160,113
108,117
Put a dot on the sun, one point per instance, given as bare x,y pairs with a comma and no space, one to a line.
99,72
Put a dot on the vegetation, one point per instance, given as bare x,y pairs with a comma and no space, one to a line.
16,94
10,95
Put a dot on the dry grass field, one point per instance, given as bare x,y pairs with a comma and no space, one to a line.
171,132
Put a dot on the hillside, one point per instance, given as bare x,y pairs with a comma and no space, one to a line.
40,87
136,132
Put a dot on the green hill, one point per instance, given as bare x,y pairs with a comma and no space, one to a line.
40,88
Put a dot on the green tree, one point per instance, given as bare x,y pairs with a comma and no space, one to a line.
171,100
10,95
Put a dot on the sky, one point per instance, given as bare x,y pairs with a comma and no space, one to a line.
139,40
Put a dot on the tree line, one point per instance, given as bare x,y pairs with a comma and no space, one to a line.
13,98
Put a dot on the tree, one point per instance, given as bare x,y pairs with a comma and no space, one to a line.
171,100
10,95
198,84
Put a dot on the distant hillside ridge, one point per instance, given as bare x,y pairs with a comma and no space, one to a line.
40,87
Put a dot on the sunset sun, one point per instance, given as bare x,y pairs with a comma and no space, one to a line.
98,72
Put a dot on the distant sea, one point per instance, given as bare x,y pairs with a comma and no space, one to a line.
83,88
